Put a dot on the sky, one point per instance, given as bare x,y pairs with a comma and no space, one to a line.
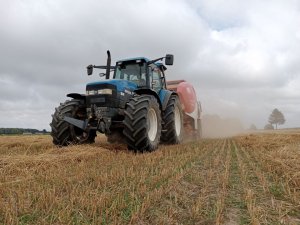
241,56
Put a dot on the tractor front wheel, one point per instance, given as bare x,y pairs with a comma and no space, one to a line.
64,133
142,123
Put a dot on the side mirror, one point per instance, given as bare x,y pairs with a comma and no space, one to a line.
169,60
89,70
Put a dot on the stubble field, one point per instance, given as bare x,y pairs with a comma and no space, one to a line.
247,179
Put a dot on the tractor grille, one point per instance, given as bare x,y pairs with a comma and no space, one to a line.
102,100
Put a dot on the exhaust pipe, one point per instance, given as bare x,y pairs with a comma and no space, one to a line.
108,65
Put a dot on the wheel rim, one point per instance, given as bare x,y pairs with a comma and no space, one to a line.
152,124
177,121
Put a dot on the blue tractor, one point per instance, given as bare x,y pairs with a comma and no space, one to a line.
135,107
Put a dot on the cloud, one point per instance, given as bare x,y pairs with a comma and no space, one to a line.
242,58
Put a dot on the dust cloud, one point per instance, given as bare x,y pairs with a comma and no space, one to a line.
213,126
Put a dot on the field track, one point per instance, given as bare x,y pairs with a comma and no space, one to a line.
247,179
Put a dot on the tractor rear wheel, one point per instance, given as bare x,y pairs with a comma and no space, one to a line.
173,122
142,123
64,133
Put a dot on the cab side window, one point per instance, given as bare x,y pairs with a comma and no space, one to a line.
155,79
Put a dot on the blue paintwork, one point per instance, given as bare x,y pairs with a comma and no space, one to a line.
129,85
120,84
162,94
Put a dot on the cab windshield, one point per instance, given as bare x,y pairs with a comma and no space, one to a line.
135,72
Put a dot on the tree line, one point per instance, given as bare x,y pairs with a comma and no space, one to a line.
20,131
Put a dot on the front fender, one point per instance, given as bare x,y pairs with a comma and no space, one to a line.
78,96
146,91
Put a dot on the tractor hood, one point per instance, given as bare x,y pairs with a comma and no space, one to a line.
120,85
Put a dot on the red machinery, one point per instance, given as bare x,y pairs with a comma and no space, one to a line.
190,105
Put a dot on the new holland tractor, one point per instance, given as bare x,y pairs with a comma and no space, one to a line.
137,106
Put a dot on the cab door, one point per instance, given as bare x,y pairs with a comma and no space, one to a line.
155,78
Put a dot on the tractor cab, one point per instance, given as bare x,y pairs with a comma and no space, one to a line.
133,70
143,72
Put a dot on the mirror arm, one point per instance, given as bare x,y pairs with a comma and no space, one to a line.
104,67
155,60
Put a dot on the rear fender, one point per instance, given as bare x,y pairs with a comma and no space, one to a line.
165,96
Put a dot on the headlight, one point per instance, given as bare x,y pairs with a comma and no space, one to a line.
105,92
91,92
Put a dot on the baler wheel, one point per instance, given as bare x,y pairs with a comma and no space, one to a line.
199,130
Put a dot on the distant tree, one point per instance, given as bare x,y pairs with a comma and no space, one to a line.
276,118
17,131
253,127
269,127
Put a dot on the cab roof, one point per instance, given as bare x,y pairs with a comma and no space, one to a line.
143,59
134,59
